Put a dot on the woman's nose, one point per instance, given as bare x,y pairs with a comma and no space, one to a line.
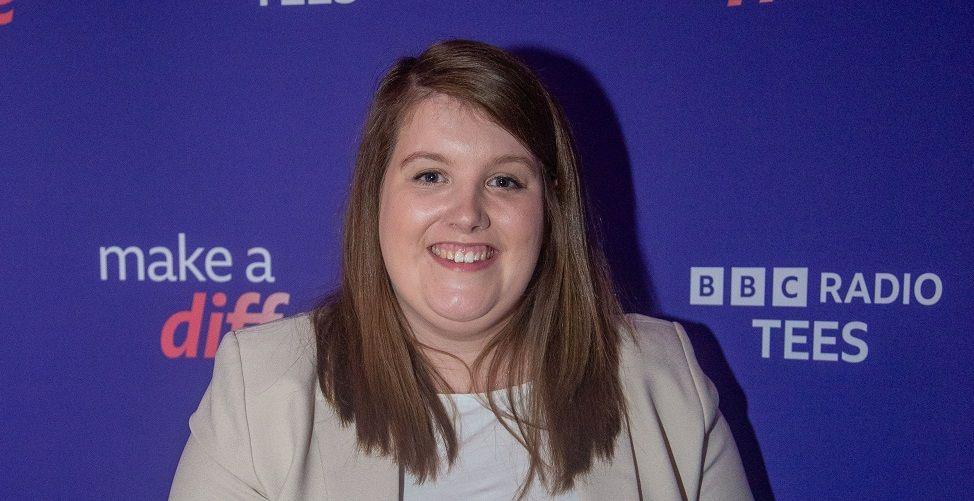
468,212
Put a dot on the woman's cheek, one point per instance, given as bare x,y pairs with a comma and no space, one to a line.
425,209
528,216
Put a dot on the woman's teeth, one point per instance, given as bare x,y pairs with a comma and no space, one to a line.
464,255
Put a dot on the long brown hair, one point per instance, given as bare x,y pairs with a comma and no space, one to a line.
563,336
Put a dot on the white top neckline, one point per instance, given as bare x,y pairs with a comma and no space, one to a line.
490,463
500,391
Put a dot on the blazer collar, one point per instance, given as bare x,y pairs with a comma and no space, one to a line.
349,473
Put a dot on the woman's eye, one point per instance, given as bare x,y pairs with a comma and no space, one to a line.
428,177
505,182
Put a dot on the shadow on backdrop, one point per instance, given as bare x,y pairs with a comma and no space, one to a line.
607,179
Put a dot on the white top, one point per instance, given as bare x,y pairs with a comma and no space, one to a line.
490,463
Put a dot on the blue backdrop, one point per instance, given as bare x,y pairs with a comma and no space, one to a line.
791,180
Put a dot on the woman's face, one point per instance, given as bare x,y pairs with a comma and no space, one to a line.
461,219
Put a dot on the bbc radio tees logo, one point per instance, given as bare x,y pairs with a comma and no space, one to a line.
182,334
791,289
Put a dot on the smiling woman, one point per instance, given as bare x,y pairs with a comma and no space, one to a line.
475,348
478,193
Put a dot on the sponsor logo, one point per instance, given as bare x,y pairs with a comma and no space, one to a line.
737,3
182,332
794,288
288,3
6,16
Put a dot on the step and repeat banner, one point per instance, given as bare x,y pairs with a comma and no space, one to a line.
791,180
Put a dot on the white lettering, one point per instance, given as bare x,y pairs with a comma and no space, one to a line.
829,284
857,289
188,265
264,264
706,285
880,279
789,287
766,326
791,339
794,338
938,287
103,253
747,286
819,339
168,274
854,341
211,262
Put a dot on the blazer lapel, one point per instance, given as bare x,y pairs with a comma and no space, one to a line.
614,479
348,472
649,447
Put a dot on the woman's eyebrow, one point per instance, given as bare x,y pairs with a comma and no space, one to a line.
427,155
500,160
514,158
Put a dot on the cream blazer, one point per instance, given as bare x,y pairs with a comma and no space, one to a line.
264,431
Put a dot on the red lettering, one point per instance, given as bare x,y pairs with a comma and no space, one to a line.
193,318
213,330
8,16
240,317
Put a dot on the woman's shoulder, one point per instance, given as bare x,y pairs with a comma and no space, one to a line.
243,431
277,355
673,406
654,341
657,360
292,331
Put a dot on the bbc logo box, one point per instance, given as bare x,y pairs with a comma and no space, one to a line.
748,286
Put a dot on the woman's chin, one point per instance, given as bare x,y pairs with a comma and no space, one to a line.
461,315
468,317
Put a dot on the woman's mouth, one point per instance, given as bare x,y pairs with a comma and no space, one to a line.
463,257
